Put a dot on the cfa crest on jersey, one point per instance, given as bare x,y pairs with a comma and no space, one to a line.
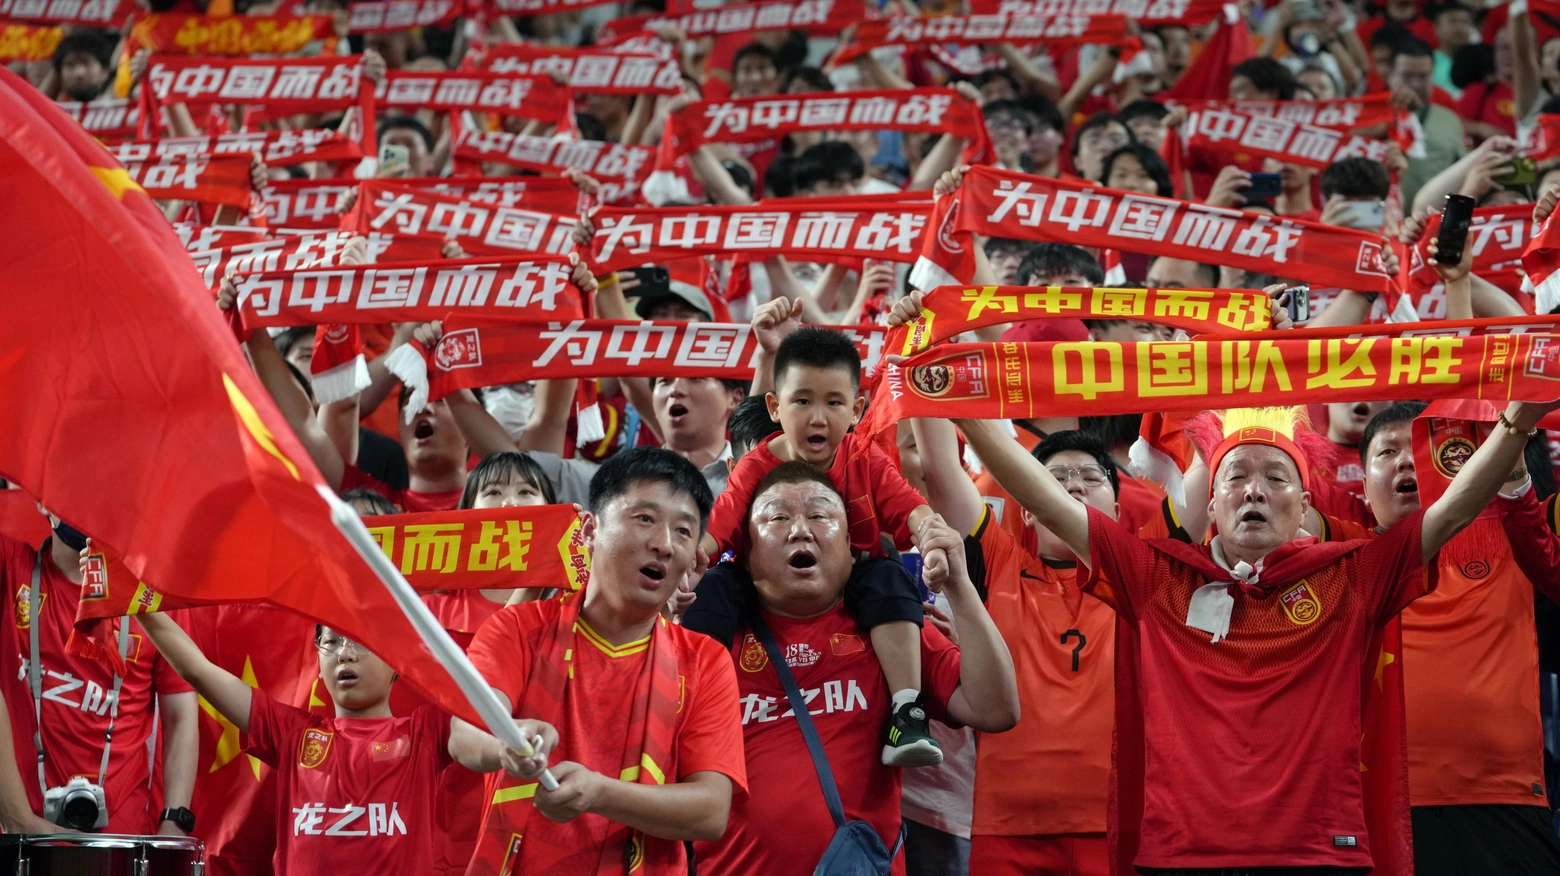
753,657
511,856
1301,604
314,748
634,852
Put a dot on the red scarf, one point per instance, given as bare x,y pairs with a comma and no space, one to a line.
207,180
510,94
25,42
310,249
1144,12
1055,32
621,169
826,228
197,238
94,13
1226,129
109,117
230,35
1498,236
1541,263
1210,72
1543,141
282,85
814,17
542,7
648,759
481,229
949,311
589,69
276,148
473,353
398,15
303,203
1000,203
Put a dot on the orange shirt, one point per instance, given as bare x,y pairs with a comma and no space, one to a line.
1008,513
1051,773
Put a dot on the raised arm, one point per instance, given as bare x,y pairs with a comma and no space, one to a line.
482,432
180,722
1526,77
1027,481
224,690
949,489
987,696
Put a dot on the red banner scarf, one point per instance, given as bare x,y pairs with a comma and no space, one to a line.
589,70
1144,12
87,13
826,228
480,229
949,311
1342,114
398,15
303,203
284,253
1309,145
281,85
231,35
753,119
25,42
483,354
541,7
1440,328
1542,141
510,94
276,148
1052,31
1541,263
815,17
1000,203
621,169
648,757
1498,236
197,238
1051,379
207,180
110,117
410,292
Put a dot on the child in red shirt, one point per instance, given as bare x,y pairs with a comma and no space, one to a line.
817,399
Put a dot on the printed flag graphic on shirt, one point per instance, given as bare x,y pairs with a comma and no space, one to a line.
131,394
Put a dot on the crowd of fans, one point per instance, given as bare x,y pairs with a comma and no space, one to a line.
989,639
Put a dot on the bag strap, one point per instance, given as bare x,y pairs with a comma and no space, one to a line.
831,793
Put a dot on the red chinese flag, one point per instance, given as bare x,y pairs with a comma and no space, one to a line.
1208,76
138,419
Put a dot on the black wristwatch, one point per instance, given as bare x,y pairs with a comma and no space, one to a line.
181,817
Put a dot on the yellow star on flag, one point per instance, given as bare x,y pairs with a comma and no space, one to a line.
117,180
1382,662
227,745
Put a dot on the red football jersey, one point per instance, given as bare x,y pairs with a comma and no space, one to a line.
410,501
353,795
783,826
77,698
593,732
877,497
1251,745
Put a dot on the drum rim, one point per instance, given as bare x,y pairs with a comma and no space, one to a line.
104,840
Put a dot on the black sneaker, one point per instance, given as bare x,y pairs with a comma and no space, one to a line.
910,743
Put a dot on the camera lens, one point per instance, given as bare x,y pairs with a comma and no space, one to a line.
80,812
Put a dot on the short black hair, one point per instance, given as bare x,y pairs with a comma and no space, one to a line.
814,78
755,49
1011,108
1098,120
1391,34
1082,442
1113,430
590,127
376,502
1044,112
504,465
1356,177
985,77
1413,47
1473,63
1397,412
1433,11
650,464
750,423
1153,165
1142,108
290,336
795,471
829,161
995,245
1054,259
407,123
1268,75
97,42
780,177
817,347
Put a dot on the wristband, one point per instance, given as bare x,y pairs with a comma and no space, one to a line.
607,279
1501,417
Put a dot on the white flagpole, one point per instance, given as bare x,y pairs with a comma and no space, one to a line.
444,649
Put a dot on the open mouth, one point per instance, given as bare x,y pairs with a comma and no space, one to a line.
423,430
817,442
803,559
676,411
1253,517
1408,486
653,571
1362,411
346,677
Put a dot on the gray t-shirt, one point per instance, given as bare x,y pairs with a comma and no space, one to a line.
571,477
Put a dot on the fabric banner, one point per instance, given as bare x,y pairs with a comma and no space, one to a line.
1309,145
230,35
276,148
109,117
473,549
480,229
410,292
1541,263
204,179
293,85
621,169
203,237
825,228
1542,141
26,42
949,311
592,70
396,15
1054,31
312,249
815,17
532,97
1001,203
1438,328
303,203
475,353
1498,236
541,7
1050,379
86,13
1144,12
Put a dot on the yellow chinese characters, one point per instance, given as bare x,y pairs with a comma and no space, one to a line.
1172,369
504,544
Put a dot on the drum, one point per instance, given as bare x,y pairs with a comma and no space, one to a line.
100,854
